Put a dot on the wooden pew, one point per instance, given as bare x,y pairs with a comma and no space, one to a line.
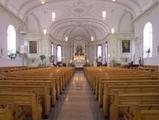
40,82
55,83
99,76
6,113
153,68
62,76
15,68
95,74
29,83
117,75
138,114
120,101
22,99
126,87
45,74
119,78
43,94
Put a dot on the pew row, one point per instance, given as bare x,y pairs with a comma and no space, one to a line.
121,101
136,113
126,87
6,113
24,100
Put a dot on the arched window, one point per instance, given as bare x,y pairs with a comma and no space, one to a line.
106,50
147,43
59,53
11,39
99,51
52,48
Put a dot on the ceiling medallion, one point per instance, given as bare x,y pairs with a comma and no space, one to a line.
79,7
79,10
43,1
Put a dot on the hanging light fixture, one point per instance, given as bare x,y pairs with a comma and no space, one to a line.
43,1
66,39
53,16
44,31
92,38
104,15
113,30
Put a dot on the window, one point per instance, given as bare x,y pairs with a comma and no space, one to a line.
106,50
59,53
147,42
11,39
52,49
99,51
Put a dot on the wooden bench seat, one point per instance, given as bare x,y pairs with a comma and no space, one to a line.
116,74
131,86
62,78
15,68
137,113
57,80
22,99
142,87
29,83
36,86
6,113
42,92
122,100
100,85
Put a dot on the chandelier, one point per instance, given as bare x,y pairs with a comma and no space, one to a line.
43,1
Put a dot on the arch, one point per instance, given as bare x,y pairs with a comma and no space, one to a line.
99,51
59,53
52,48
147,41
11,39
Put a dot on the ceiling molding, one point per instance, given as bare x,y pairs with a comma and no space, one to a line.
7,10
38,22
31,9
146,11
120,20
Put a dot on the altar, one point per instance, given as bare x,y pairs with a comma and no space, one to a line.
79,61
79,54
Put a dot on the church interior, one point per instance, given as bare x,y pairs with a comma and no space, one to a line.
79,60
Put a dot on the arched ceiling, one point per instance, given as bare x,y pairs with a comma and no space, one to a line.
77,19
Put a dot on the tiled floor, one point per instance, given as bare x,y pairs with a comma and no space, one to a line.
77,102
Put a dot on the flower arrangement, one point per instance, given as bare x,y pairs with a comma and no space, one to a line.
148,51
42,57
12,55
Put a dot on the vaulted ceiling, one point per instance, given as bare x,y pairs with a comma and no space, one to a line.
77,19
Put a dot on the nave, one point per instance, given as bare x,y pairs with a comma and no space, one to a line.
77,102
63,93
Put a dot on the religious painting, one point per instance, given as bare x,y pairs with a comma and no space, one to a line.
125,46
79,50
32,47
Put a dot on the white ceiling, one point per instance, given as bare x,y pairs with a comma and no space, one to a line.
77,19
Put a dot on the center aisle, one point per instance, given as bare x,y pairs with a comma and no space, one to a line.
78,103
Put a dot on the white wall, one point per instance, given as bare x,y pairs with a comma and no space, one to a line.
6,18
124,28
150,15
